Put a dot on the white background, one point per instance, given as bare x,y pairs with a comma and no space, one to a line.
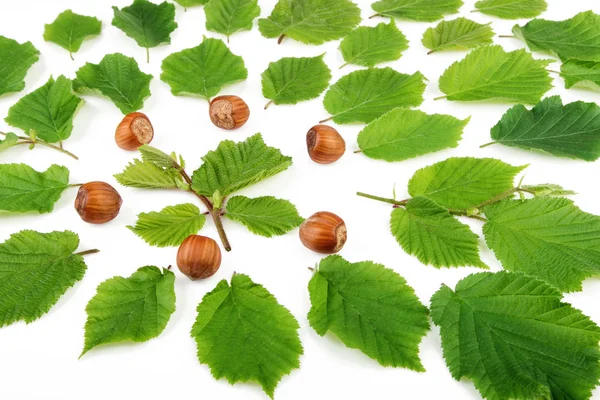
39,361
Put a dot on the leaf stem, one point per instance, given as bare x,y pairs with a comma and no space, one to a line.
147,55
280,39
440,98
553,71
343,65
375,15
507,36
430,52
71,55
51,146
86,252
325,120
382,199
268,104
487,144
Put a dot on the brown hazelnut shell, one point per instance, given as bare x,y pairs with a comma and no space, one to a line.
97,202
198,257
229,112
323,232
324,144
133,131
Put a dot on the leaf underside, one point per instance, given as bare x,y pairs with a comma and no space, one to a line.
368,46
460,33
265,216
417,10
17,59
512,9
70,30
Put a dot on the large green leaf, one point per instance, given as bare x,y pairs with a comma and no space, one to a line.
429,232
491,73
368,46
134,309
23,189
567,131
16,60
365,95
243,334
417,10
370,308
170,226
117,77
402,134
459,33
230,16
577,38
36,269
49,111
265,216
512,9
147,175
147,23
310,21
291,79
463,182
549,238
234,166
69,30
581,74
514,338
203,70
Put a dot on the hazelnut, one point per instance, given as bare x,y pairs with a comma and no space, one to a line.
229,112
198,257
325,145
97,202
323,232
133,131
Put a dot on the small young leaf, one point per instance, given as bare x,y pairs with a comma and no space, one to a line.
548,190
241,329
191,3
9,141
36,269
203,70
117,77
566,131
147,175
581,74
402,134
134,309
460,33
417,10
515,339
549,238
368,46
157,157
170,226
49,111
491,73
512,9
16,60
310,21
463,182
234,166
429,232
230,16
147,23
265,216
370,308
291,80
365,95
69,30
577,38
22,189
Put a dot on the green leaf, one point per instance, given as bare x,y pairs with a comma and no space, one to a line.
581,74
16,60
577,38
230,16
368,46
549,238
117,77
402,134
234,166
310,21
370,308
147,23
512,9
548,190
365,95
22,189
515,339
417,10
49,111
134,309
460,33
427,230
265,216
170,226
243,334
147,175
566,131
203,70
69,30
490,73
36,269
10,140
291,79
157,157
191,3
463,182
